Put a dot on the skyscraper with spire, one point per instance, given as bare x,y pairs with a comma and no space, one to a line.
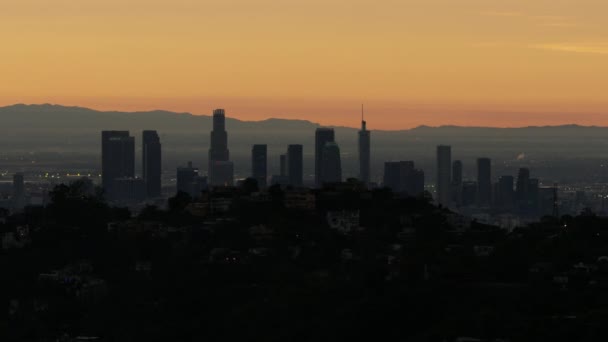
364,151
221,169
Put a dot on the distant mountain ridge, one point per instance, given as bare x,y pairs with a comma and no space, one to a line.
54,108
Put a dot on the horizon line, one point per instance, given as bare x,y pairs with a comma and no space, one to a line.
290,119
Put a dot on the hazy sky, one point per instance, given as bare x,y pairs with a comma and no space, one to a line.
412,62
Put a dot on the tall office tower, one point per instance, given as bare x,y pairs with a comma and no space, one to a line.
322,136
484,181
18,191
506,196
221,170
414,183
364,151
444,170
331,166
117,158
533,196
392,176
523,183
151,155
457,172
281,178
223,173
283,165
469,193
189,180
295,165
259,164
402,177
457,182
408,178
406,169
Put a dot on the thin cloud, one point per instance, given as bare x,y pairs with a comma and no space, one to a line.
565,24
539,20
502,14
554,21
597,48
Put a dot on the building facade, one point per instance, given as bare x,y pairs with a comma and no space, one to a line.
221,170
444,171
151,163
117,159
331,164
322,137
364,153
295,165
259,164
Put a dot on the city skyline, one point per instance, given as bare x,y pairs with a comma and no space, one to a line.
320,170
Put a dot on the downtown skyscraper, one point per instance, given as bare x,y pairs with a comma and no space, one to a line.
259,164
364,151
295,165
189,181
322,137
221,169
456,195
117,159
331,164
151,163
444,171
402,177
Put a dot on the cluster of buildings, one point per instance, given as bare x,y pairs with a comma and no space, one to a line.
523,196
118,163
484,197
118,166
18,194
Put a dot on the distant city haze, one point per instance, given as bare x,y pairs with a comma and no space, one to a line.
436,62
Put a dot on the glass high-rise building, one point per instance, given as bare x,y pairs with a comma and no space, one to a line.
322,137
283,165
506,194
457,172
523,184
295,165
444,171
151,163
259,164
364,153
221,170
456,190
392,175
331,165
117,158
189,181
402,177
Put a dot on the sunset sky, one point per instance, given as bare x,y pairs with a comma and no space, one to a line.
412,62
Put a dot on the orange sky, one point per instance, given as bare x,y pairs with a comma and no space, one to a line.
412,62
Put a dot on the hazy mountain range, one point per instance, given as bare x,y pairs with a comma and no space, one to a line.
73,134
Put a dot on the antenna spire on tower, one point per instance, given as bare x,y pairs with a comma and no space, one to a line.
362,117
